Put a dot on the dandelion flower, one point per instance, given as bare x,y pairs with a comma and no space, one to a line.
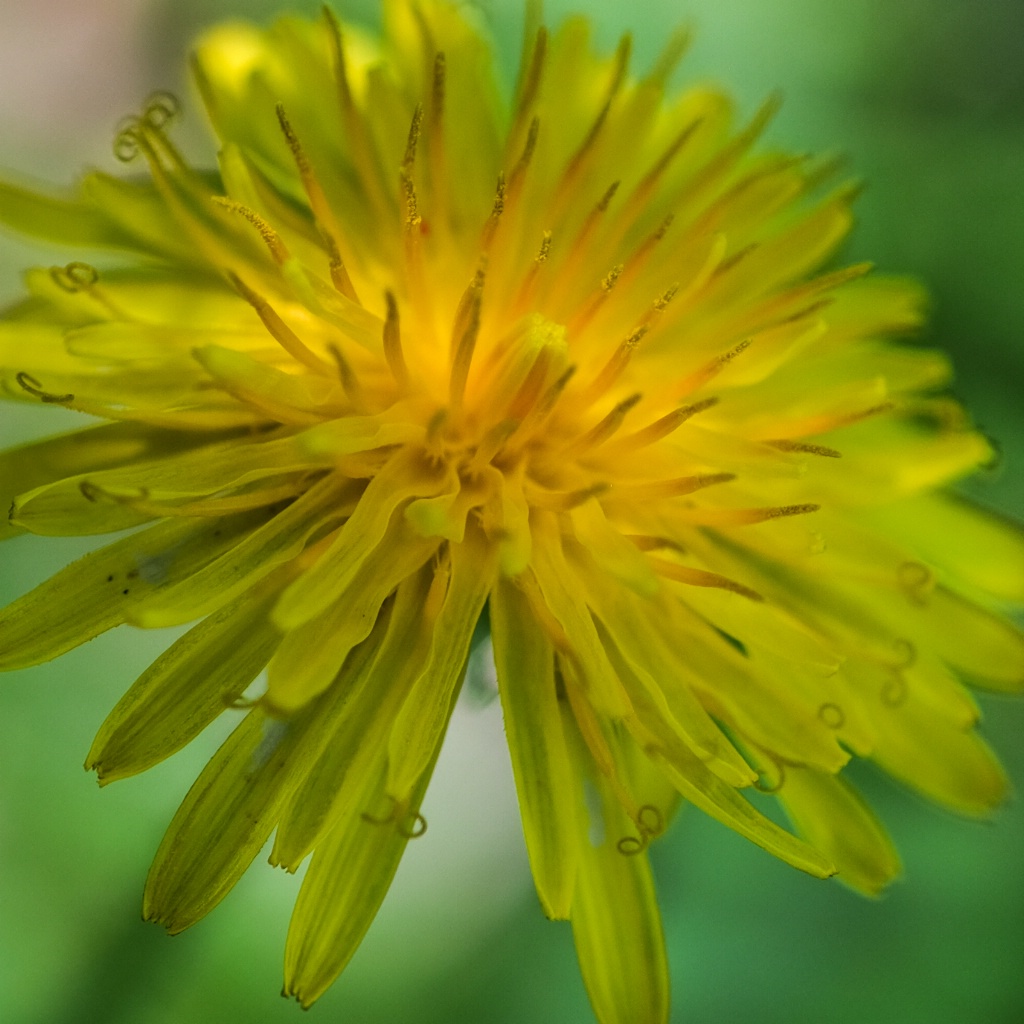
418,358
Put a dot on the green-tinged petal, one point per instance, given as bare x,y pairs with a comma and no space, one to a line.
656,723
876,306
102,500
67,221
102,589
525,661
910,670
419,728
649,669
41,463
234,805
311,654
336,438
222,824
986,648
406,475
376,678
352,868
566,604
277,541
952,766
172,393
764,627
618,557
446,515
974,547
515,545
834,818
752,702
136,209
892,458
182,306
186,688
347,880
616,923
713,796
287,397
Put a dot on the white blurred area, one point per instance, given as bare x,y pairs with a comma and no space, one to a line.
69,69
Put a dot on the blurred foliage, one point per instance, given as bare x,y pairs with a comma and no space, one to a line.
927,98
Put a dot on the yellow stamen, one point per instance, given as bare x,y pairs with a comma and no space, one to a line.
665,425
339,272
606,428
318,203
710,370
615,366
660,490
279,330
278,250
785,445
701,578
393,342
564,501
743,516
464,337
529,85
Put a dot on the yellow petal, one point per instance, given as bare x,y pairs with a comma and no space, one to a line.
974,547
617,926
100,590
311,655
274,543
950,765
185,689
31,466
375,678
417,732
347,880
407,475
525,662
222,824
831,815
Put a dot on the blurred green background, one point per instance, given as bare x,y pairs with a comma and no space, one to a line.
927,99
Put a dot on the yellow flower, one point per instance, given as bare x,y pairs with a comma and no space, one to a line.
418,357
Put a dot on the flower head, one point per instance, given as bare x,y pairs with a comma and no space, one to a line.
417,356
